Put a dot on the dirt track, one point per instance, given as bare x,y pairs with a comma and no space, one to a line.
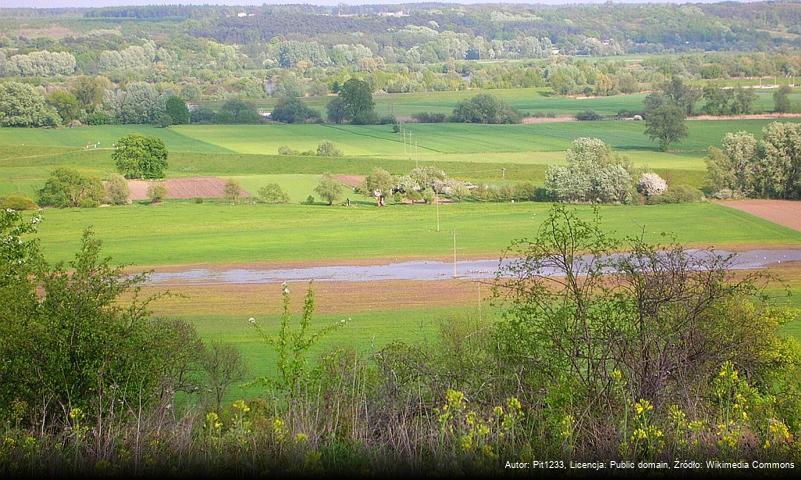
783,212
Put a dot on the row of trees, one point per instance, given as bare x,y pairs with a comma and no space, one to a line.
92,100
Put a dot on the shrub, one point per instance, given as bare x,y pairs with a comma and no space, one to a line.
69,188
98,118
588,115
17,202
309,200
726,194
388,120
156,192
428,195
651,185
285,150
232,190
293,110
198,200
163,120
414,195
117,191
678,194
273,193
485,108
427,117
328,149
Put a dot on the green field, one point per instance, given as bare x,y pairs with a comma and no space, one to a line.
479,153
182,233
527,100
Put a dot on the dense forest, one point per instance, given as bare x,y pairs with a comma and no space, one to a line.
201,52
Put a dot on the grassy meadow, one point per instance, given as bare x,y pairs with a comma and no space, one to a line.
216,233
478,153
528,100
185,233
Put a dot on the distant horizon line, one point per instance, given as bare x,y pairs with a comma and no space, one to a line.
89,4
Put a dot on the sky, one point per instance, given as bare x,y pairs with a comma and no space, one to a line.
105,3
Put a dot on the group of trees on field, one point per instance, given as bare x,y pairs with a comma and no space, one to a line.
135,157
769,167
91,100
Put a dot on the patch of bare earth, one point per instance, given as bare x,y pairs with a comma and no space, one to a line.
350,180
783,212
182,188
753,116
560,119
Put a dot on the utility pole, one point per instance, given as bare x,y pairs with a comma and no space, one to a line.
503,173
436,199
479,301
454,253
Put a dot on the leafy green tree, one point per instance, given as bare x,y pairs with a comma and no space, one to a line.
594,173
781,99
293,110
718,101
66,104
357,97
69,188
21,105
273,193
780,163
677,92
90,91
177,110
666,124
335,110
140,156
137,103
744,100
328,149
733,165
485,108
379,180
238,111
329,188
